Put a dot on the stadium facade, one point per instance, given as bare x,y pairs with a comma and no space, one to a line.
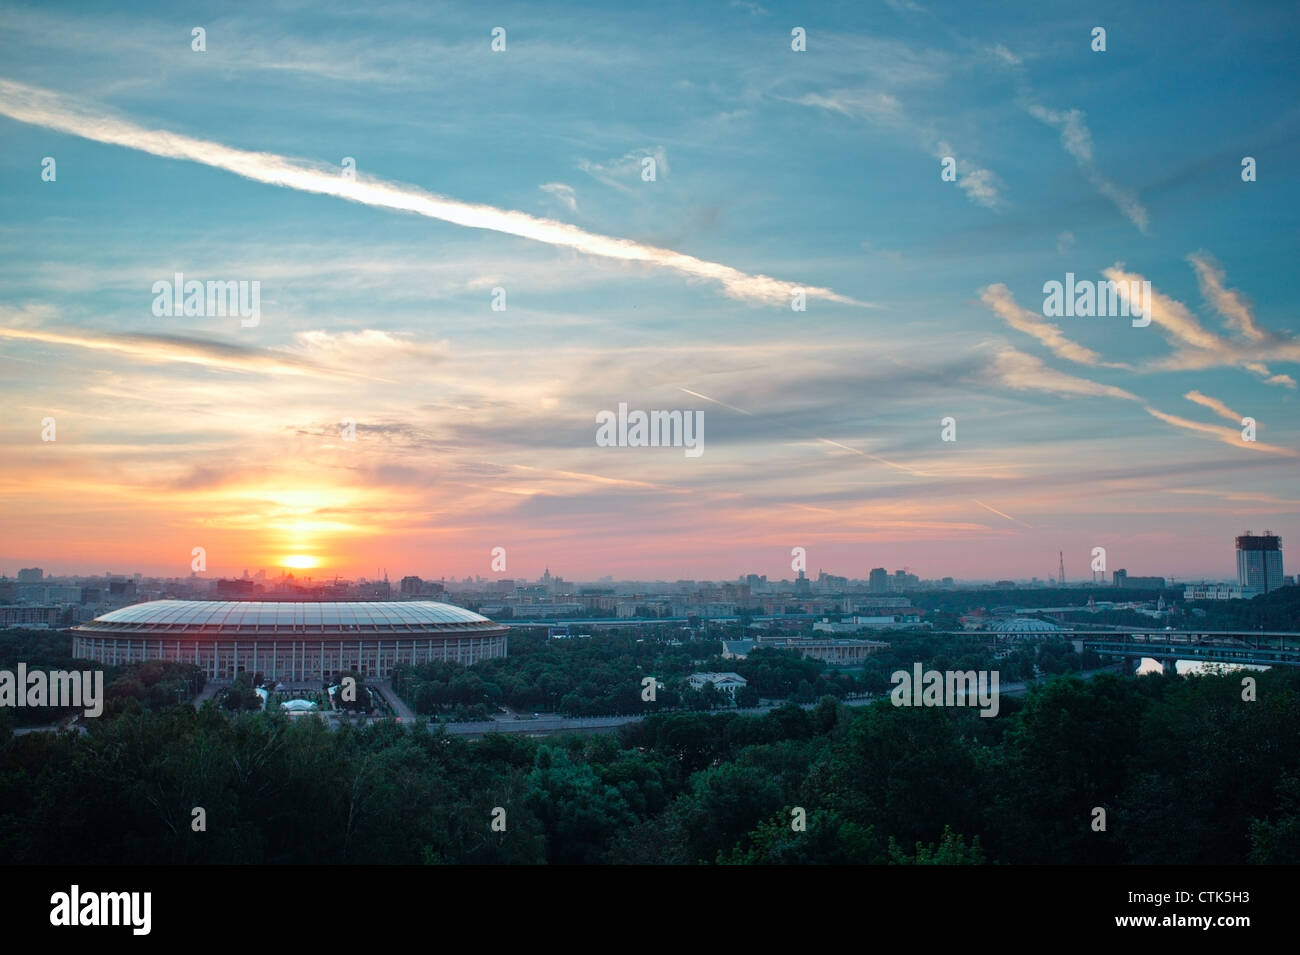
290,640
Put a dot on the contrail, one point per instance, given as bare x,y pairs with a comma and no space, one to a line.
1000,514
41,107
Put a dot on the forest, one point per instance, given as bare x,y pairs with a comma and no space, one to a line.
1186,771
601,675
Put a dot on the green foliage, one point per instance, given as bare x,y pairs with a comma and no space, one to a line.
1277,841
951,850
1275,610
1187,771
827,840
240,695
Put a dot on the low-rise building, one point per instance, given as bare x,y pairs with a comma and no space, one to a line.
1217,592
26,615
727,683
736,649
833,652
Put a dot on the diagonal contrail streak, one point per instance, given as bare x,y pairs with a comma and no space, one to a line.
41,107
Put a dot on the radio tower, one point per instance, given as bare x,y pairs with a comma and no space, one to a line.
1060,580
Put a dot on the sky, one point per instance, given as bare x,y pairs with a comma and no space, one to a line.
778,174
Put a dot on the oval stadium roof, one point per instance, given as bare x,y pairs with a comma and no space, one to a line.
263,616
1023,625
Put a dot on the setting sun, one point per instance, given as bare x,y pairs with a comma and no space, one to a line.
299,561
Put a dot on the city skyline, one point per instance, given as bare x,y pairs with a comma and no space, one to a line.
462,257
320,575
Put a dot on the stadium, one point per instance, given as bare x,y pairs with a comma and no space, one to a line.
287,640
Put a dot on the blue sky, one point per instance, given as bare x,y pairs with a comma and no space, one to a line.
820,169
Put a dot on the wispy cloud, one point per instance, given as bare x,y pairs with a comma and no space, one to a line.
1231,436
562,193
1022,372
1196,347
1215,405
981,186
1018,371
177,348
624,172
857,103
1077,140
1002,302
1005,55
44,108
1227,302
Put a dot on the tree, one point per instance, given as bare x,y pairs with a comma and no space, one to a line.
828,840
951,850
578,813
748,696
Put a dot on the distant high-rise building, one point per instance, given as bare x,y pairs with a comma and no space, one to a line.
30,575
1259,562
878,583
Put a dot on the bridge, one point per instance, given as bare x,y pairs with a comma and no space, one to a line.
1255,648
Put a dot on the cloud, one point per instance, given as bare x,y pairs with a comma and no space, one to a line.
980,185
1064,242
1215,405
1002,302
366,347
50,110
1227,302
562,193
1196,347
177,348
859,104
1022,372
1230,436
1005,55
627,168
1077,141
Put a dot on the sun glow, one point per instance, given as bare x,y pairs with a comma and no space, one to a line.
299,561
